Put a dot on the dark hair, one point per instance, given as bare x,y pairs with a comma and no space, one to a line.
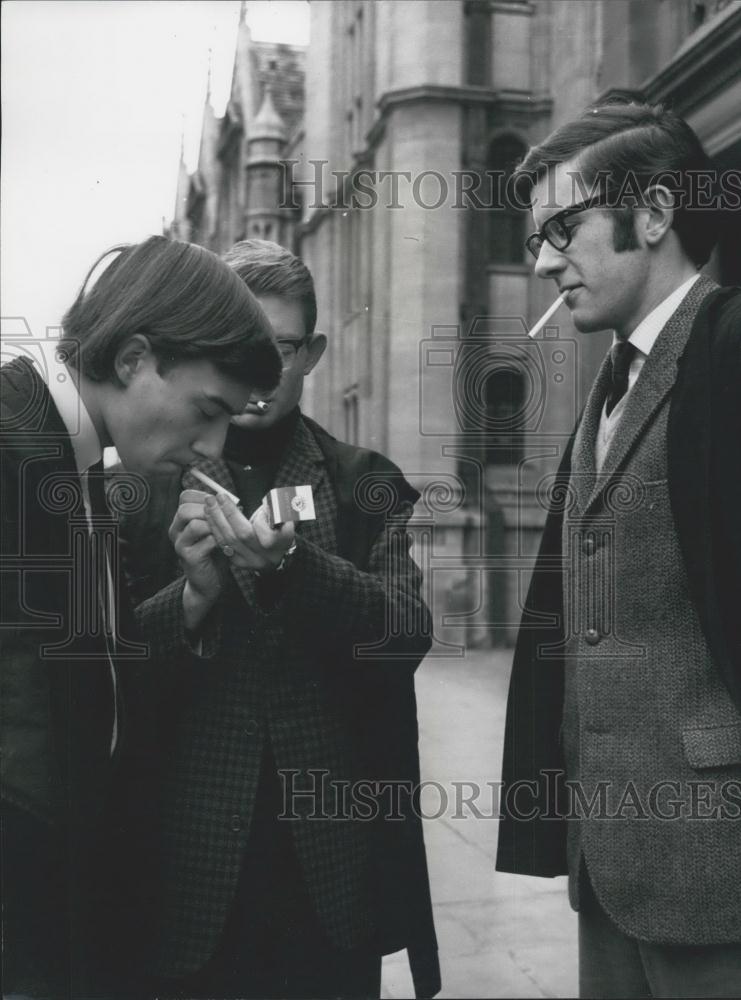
628,147
269,269
188,304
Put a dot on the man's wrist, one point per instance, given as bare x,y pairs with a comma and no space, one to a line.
283,565
195,608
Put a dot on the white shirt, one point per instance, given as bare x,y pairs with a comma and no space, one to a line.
643,339
87,450
72,410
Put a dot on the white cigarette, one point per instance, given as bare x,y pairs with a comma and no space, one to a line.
262,405
212,485
546,316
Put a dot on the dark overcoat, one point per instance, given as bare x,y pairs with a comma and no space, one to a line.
72,861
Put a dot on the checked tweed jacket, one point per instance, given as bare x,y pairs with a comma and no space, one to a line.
287,673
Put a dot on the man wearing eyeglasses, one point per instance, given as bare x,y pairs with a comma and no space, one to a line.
290,719
622,764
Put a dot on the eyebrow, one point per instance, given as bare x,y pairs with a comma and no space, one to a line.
227,407
555,214
594,201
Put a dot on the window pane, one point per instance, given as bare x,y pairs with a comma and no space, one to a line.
505,398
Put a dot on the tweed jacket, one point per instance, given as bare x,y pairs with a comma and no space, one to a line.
634,690
326,675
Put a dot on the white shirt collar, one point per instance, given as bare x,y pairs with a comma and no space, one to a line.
72,410
645,334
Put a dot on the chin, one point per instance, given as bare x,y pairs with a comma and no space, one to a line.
147,466
588,323
254,421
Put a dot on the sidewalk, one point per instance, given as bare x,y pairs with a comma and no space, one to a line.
499,935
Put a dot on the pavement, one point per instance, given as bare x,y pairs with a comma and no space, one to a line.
499,935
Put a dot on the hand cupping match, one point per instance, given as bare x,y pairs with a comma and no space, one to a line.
250,543
258,542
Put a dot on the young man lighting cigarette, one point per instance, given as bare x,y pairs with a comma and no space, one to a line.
156,353
306,905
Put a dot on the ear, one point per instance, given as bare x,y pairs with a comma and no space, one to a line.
660,214
131,357
314,350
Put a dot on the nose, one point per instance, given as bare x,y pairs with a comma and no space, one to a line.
550,262
210,440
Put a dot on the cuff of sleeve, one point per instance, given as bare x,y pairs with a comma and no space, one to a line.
204,643
162,621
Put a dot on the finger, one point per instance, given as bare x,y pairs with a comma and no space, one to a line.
189,511
185,547
261,521
191,534
230,523
234,517
193,496
201,550
218,524
183,517
280,537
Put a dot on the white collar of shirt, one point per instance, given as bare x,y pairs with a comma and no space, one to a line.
72,410
644,336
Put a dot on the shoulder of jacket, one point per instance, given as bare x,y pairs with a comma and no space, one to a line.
356,462
350,453
720,311
26,409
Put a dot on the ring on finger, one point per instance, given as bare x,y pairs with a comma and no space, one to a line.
227,550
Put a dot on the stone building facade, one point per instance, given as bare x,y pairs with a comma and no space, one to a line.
237,190
411,108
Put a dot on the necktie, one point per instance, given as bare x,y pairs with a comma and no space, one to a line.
99,509
621,355
100,539
96,490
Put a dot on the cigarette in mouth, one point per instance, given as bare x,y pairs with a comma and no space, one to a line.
546,316
212,485
262,405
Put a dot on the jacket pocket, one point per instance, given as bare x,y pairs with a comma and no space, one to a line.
715,746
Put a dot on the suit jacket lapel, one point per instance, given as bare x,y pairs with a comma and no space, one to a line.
304,464
583,469
655,381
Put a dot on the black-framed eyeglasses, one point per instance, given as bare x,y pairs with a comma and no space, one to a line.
555,231
289,349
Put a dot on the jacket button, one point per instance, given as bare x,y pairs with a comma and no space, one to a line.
236,823
589,546
592,636
251,728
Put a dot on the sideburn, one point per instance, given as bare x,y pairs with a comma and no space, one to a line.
623,230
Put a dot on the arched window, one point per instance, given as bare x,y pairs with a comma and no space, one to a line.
507,223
